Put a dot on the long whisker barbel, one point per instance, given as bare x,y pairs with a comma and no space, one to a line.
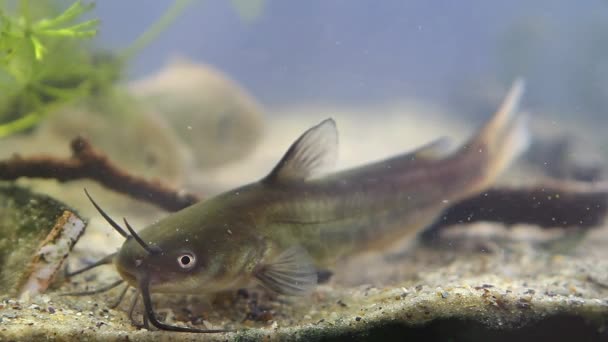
132,308
144,283
107,217
149,316
108,259
120,298
140,241
95,291
121,230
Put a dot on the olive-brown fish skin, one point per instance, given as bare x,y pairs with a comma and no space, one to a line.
238,234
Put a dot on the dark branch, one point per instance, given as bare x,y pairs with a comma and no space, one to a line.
88,163
570,205
556,204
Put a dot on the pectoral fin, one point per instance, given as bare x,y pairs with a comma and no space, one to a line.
315,150
291,273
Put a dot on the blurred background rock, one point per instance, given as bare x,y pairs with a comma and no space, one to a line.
212,115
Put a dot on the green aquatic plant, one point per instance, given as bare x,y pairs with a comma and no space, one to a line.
43,62
247,10
22,28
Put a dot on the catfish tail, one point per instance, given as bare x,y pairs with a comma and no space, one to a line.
500,141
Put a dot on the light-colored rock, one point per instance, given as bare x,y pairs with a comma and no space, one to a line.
213,115
135,138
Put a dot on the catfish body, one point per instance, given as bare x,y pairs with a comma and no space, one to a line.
280,229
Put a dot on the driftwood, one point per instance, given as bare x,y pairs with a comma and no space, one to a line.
86,162
555,204
562,204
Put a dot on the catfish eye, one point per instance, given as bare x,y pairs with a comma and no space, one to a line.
186,261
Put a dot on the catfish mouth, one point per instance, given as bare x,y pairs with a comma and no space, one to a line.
154,279
137,275
129,277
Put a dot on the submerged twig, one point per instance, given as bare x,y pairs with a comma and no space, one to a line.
88,163
557,204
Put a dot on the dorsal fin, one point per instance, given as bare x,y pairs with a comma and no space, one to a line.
315,150
436,149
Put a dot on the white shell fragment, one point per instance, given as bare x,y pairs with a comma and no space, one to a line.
51,254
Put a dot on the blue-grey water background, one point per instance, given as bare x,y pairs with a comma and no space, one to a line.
406,72
366,51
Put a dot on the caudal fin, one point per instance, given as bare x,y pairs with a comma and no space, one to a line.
502,139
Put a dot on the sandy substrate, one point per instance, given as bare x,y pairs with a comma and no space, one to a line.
504,289
502,281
